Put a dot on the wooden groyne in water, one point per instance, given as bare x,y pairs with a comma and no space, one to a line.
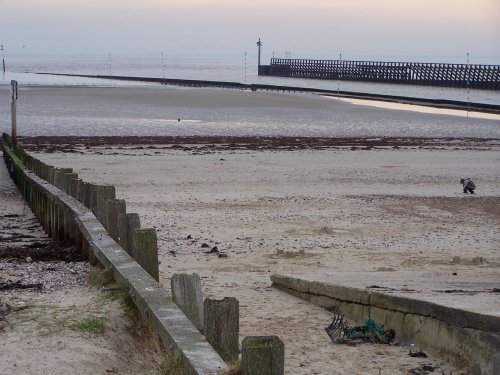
436,103
426,74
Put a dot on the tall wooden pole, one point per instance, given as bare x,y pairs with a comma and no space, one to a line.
3,58
13,110
259,44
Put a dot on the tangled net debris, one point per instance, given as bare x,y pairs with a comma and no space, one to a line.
340,332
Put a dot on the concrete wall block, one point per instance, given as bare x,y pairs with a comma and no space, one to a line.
187,294
222,326
262,355
145,251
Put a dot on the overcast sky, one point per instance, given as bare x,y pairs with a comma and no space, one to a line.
424,29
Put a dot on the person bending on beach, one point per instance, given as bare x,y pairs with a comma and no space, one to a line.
468,185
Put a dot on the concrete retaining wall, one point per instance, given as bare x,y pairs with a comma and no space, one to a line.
64,217
468,340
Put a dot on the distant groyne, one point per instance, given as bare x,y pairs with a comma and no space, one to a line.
437,103
474,76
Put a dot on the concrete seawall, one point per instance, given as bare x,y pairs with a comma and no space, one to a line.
64,217
466,339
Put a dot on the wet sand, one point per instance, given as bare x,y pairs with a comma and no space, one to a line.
155,111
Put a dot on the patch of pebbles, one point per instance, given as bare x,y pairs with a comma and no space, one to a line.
45,276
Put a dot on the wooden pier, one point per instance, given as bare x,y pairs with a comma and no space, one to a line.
427,74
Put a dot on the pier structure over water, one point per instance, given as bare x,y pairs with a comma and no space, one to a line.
427,74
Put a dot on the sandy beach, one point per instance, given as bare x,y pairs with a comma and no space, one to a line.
292,184
392,218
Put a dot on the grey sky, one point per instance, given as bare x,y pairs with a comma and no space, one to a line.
424,29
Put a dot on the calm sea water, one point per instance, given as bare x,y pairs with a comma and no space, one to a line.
224,68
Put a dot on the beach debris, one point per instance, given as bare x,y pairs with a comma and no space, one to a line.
214,250
337,327
340,332
417,354
422,370
104,289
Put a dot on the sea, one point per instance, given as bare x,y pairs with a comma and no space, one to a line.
25,69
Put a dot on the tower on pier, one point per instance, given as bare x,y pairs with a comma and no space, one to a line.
259,45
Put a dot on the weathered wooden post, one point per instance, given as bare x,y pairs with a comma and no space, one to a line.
262,355
145,251
114,207
13,111
127,225
187,294
102,194
3,58
222,326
